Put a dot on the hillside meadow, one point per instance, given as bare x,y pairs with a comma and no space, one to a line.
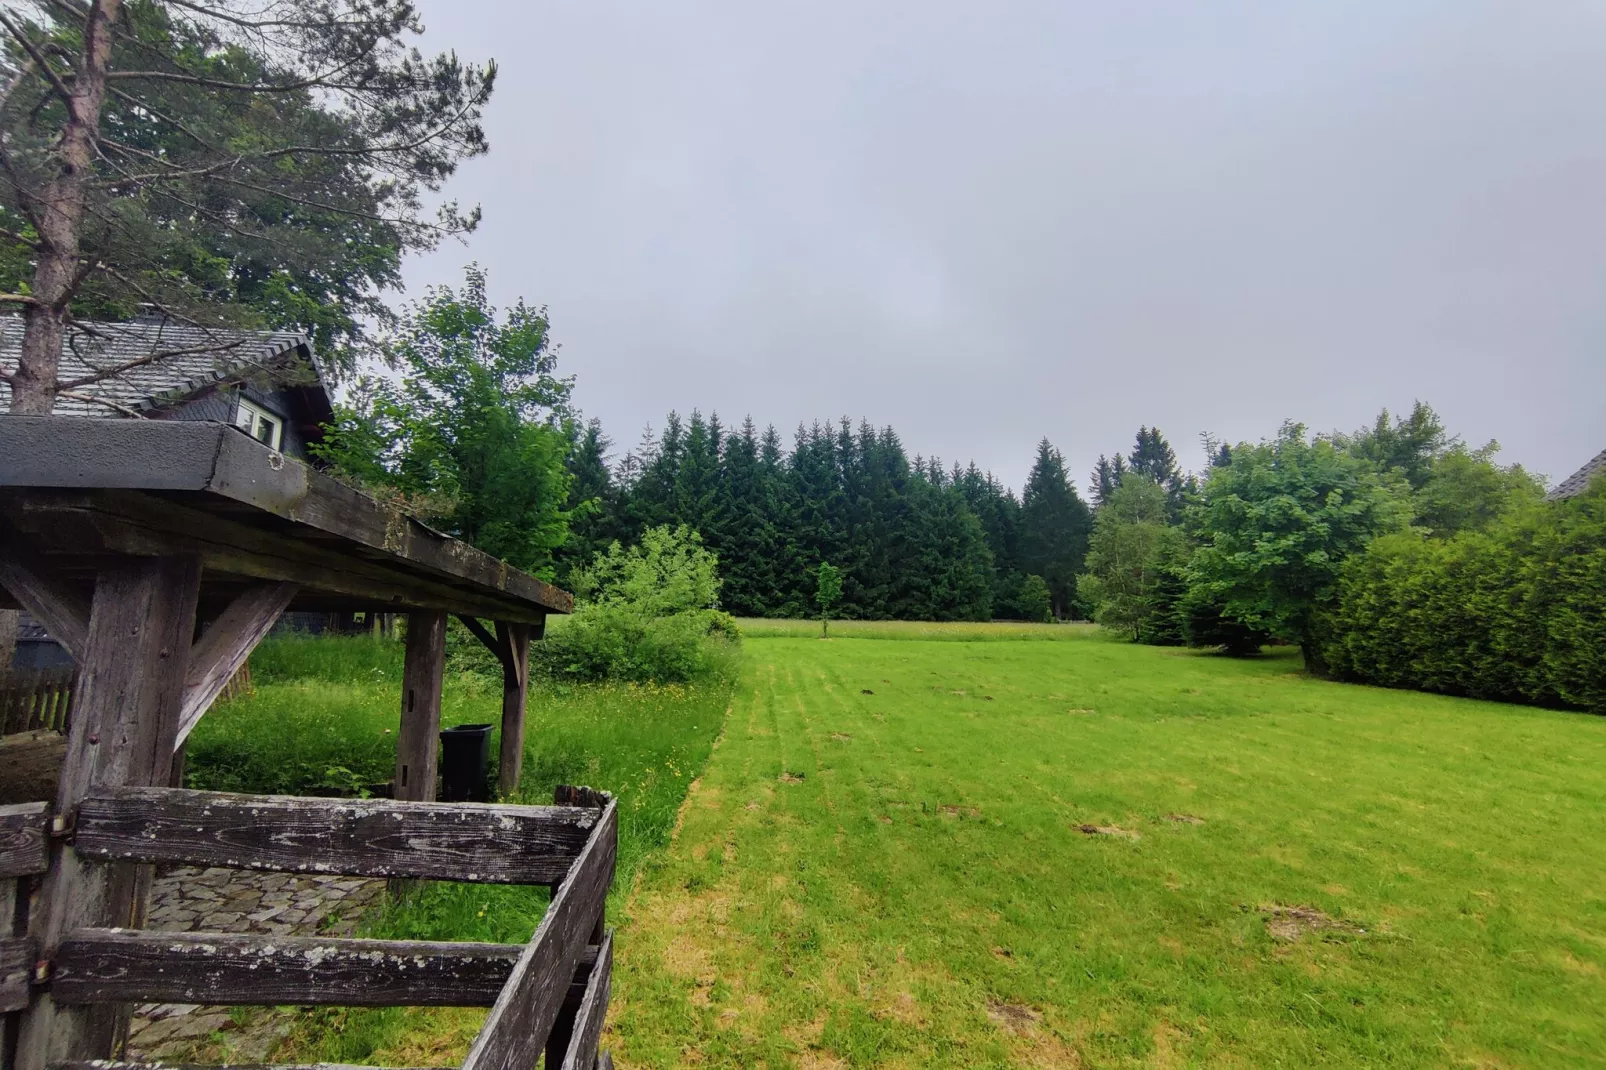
927,844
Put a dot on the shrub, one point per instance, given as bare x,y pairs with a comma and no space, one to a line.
648,615
1517,612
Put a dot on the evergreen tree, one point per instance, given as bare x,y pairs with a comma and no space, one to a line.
748,539
593,498
1055,524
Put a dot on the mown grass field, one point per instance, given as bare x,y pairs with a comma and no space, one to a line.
1085,853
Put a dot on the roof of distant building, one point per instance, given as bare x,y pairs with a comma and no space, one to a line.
158,362
1579,480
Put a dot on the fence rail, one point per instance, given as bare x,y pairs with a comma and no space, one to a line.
35,699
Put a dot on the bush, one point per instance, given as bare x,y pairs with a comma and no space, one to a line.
1517,612
1206,624
648,614
620,642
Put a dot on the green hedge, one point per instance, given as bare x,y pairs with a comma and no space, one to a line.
1517,612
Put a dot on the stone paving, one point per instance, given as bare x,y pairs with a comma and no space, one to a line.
190,899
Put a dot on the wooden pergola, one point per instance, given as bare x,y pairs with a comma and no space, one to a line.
159,554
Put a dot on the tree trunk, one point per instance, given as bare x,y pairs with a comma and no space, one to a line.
59,216
1315,660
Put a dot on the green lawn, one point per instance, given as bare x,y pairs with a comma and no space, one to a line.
918,852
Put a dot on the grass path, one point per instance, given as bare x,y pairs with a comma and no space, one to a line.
885,864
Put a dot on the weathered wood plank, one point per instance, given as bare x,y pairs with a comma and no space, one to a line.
32,761
582,1051
17,956
23,842
130,523
515,640
173,455
360,837
605,1061
130,684
220,652
516,1029
423,668
62,611
121,965
110,1064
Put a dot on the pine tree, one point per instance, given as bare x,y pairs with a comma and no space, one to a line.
593,498
1055,524
1103,481
748,542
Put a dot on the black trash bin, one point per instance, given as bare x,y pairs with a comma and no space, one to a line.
465,763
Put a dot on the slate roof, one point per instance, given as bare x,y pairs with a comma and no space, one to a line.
188,359
1579,480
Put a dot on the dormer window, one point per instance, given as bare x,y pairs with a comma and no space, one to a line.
260,424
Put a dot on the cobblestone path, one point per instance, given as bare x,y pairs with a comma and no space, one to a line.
188,899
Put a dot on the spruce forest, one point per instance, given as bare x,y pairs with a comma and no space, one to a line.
915,539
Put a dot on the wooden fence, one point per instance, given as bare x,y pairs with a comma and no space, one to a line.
549,995
36,699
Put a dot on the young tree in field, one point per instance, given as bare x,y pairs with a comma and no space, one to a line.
827,590
473,435
1126,558
1278,522
228,162
1054,527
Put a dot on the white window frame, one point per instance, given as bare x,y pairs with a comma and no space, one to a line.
260,424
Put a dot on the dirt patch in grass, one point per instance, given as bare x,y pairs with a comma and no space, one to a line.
840,737
1291,923
958,811
790,778
1107,830
1185,819
1015,1018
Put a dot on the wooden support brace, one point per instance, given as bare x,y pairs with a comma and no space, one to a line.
63,613
515,640
225,646
359,837
516,1029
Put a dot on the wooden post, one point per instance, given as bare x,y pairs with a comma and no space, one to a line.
514,639
419,742
130,687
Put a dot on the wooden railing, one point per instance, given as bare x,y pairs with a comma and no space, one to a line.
35,699
550,994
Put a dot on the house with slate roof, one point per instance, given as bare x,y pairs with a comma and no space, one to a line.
266,383
1579,481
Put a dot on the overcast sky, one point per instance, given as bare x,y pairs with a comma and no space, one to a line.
984,223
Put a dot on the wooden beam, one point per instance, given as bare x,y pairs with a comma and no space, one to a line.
225,645
108,1064
17,956
127,965
23,843
32,583
132,524
360,837
516,1029
515,640
233,469
582,1050
493,643
418,744
130,686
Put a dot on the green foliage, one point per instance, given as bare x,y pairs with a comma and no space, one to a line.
1516,612
1276,525
1131,544
647,613
1055,524
1033,601
666,572
827,590
1465,490
471,436
233,182
1404,446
